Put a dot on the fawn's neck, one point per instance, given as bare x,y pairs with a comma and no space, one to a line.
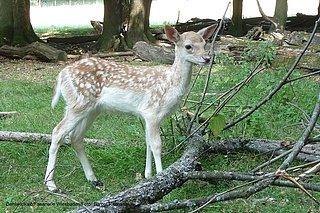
182,70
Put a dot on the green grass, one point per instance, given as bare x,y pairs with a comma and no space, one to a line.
26,89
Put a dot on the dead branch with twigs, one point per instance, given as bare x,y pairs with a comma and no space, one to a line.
136,199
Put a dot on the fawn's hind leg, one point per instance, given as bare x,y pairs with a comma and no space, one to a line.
76,137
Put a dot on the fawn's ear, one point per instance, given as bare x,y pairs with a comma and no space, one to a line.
172,34
207,32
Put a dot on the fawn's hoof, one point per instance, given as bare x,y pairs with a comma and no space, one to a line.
51,186
97,183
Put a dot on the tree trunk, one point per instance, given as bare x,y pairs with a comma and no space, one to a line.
138,27
112,24
15,25
236,28
280,15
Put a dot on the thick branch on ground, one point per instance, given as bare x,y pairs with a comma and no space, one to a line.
151,190
26,137
310,152
36,50
142,197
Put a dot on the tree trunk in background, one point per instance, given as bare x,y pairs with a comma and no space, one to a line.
280,15
15,25
112,24
236,28
138,26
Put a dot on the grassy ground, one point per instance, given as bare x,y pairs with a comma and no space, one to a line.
26,87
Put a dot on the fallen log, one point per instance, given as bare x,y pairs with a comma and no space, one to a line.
36,50
149,52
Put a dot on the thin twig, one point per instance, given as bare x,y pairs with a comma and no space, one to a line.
271,161
233,193
304,76
199,104
313,170
306,116
303,165
294,181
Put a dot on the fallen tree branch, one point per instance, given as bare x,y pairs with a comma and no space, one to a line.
26,137
244,176
141,198
260,184
310,152
151,190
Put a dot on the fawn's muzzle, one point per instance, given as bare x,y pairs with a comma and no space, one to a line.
206,58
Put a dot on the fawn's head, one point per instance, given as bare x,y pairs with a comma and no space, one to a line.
190,45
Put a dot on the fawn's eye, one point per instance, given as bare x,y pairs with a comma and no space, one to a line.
188,46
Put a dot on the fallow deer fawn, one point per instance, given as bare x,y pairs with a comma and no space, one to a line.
92,86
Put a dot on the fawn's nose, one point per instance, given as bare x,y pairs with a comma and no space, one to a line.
206,58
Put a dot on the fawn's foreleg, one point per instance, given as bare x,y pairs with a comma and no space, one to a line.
154,146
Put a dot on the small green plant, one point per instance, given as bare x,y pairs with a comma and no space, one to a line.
265,51
224,59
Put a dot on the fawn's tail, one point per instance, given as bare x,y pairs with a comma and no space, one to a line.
56,92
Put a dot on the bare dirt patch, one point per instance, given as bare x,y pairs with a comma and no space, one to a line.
28,70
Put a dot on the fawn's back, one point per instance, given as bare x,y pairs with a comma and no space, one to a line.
112,86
